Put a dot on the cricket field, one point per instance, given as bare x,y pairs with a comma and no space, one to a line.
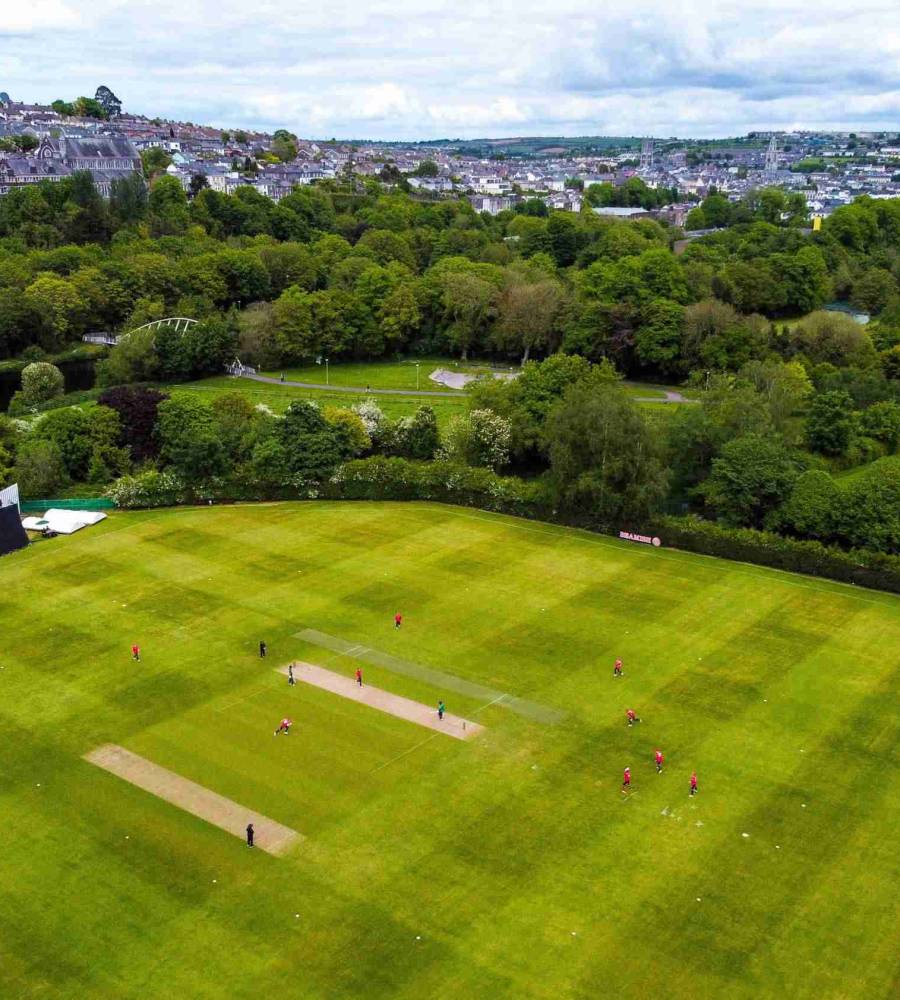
506,864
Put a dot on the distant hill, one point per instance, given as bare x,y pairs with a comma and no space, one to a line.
539,145
547,145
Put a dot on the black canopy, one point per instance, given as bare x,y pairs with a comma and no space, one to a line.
12,534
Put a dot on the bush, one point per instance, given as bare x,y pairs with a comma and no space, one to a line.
41,382
411,437
858,566
834,338
147,489
377,478
380,478
812,508
133,359
39,470
138,409
350,427
372,416
830,423
882,421
480,437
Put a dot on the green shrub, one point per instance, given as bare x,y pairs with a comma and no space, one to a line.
39,469
858,566
380,478
147,489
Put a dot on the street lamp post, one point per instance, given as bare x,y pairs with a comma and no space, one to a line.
417,376
327,382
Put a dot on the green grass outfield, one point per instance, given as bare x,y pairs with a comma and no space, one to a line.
509,866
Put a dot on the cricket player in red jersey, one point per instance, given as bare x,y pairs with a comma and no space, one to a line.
659,761
135,652
398,620
626,780
617,669
359,676
631,715
694,783
285,727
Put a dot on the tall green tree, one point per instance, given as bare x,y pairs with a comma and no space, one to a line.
830,423
312,448
531,311
168,207
57,308
470,304
39,469
658,339
752,476
604,459
189,442
128,200
813,508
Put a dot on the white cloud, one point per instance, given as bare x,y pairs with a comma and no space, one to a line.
430,68
38,15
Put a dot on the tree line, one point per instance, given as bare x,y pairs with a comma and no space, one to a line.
752,452
788,393
357,271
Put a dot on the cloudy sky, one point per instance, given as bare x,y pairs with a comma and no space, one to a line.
431,69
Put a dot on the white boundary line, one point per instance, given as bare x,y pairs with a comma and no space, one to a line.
238,701
499,697
427,739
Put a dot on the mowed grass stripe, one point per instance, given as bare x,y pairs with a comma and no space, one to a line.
570,536
271,836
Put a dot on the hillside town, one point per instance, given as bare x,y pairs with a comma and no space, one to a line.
49,142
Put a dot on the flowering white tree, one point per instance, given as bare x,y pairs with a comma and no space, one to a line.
371,415
478,438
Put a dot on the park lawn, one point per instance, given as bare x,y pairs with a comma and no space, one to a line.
850,476
509,866
280,397
385,374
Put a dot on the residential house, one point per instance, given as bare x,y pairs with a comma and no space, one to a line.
492,204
